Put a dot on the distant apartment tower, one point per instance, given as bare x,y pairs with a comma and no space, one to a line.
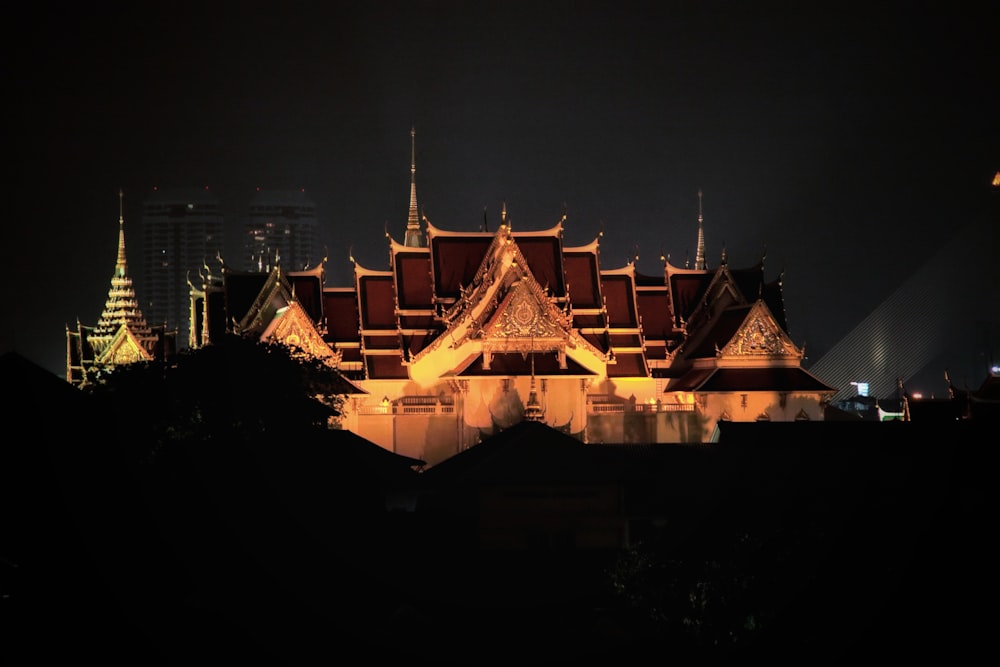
182,230
280,230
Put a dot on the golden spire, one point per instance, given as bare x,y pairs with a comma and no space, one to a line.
699,259
412,238
120,268
122,306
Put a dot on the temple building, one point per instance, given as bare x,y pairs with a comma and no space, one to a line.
121,335
465,334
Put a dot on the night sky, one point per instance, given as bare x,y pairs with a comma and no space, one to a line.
849,141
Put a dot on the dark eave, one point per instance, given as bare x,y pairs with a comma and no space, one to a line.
782,378
513,363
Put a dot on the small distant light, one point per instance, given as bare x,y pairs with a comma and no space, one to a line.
917,394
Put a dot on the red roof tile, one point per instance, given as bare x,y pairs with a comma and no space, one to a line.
413,280
378,301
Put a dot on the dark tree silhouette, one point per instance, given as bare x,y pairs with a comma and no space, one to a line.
229,391
256,506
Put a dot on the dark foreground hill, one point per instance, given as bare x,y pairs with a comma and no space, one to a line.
837,546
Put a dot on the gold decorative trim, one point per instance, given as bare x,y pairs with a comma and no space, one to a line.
295,330
759,336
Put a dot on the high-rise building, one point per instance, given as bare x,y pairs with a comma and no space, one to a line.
182,230
280,230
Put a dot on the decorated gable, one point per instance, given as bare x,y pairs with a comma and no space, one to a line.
293,328
525,313
760,336
124,348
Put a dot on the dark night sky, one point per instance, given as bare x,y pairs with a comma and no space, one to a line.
851,140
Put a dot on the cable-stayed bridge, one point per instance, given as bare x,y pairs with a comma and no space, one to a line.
934,310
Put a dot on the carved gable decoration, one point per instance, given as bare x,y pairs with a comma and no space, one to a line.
760,336
525,313
521,315
293,328
123,349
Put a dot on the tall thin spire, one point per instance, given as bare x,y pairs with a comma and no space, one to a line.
122,306
412,238
699,259
120,268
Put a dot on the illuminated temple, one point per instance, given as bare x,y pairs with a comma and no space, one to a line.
121,335
467,333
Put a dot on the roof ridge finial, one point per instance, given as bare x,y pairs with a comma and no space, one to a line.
699,260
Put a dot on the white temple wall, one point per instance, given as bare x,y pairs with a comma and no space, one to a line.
751,406
437,422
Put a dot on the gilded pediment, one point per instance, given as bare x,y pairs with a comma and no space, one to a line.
526,313
504,310
123,349
526,321
293,328
760,336
504,302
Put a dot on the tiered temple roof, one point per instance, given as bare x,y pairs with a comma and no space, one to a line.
459,307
